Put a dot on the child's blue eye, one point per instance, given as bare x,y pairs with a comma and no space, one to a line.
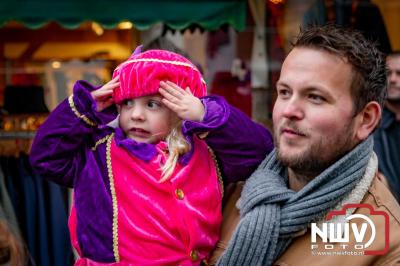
153,104
129,103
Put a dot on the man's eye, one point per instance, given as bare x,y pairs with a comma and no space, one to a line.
153,104
316,98
283,93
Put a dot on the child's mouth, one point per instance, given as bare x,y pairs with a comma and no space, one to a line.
138,132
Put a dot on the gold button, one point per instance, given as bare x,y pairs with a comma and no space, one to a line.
179,193
194,255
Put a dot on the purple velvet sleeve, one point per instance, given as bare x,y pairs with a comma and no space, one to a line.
56,145
87,106
59,142
239,143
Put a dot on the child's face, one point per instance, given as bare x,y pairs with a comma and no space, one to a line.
146,119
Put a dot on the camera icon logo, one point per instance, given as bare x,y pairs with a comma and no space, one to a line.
353,234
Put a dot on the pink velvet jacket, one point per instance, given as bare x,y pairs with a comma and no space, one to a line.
176,222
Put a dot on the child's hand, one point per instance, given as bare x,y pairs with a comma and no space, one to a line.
103,95
182,102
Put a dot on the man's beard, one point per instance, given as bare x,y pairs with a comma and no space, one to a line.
320,154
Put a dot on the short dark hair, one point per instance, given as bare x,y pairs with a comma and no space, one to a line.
368,63
393,54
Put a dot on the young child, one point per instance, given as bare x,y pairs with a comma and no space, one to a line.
147,192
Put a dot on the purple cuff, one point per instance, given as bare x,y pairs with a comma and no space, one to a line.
216,115
85,104
239,143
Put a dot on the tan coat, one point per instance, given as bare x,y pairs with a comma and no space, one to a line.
299,252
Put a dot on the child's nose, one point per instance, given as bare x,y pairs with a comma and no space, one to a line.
137,113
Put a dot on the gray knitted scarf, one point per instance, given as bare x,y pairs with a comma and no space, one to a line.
271,213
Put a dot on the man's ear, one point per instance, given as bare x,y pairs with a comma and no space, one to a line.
367,120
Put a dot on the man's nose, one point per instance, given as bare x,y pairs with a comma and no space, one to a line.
293,109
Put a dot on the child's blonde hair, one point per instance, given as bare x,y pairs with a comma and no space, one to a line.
12,250
177,145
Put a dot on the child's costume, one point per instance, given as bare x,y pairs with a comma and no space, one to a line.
121,214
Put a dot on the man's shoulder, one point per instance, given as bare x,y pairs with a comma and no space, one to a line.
381,198
382,201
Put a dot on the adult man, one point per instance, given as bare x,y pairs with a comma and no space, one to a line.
387,136
330,93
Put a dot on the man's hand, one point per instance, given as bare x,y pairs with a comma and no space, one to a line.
182,102
103,95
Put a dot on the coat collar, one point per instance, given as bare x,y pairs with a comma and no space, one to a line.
147,151
388,118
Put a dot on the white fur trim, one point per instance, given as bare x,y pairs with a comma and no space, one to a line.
114,123
356,195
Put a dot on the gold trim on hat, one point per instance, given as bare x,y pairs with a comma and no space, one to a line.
159,61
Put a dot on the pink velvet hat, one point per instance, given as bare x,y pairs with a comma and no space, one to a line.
141,74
